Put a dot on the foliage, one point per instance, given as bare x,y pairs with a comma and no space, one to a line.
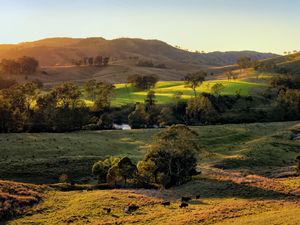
171,159
114,169
139,117
25,65
194,80
217,88
200,110
143,82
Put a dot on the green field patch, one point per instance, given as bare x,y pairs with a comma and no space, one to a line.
164,90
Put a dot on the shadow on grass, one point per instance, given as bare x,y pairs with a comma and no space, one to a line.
213,188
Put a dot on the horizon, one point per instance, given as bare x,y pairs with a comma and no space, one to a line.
145,39
218,25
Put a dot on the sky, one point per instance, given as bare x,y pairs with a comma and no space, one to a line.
204,25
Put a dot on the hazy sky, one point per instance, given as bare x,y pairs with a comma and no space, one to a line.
210,25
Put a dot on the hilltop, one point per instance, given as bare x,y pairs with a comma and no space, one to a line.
61,51
56,55
289,63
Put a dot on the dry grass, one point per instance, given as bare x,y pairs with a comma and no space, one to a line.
223,200
16,198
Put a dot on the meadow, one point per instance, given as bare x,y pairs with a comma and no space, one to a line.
240,181
164,90
43,157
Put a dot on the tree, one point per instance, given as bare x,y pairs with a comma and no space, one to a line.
289,101
103,95
98,61
28,65
67,95
217,88
106,61
150,100
90,88
142,82
139,117
166,117
100,169
126,169
100,93
194,80
171,158
200,110
244,62
5,115
146,170
230,75
30,94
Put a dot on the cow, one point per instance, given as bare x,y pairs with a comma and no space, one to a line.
183,205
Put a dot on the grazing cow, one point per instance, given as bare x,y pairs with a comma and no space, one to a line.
131,208
186,199
197,196
166,203
183,205
108,210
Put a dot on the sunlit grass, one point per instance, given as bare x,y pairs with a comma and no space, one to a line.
164,90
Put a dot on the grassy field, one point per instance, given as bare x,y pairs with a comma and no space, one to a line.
165,90
87,207
44,157
238,184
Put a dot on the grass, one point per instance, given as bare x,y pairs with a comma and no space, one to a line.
221,202
44,157
15,198
164,90
245,194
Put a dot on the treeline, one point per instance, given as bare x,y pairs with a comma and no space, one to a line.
92,61
145,63
24,65
24,108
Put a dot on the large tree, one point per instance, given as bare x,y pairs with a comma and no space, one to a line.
172,157
142,82
200,110
194,80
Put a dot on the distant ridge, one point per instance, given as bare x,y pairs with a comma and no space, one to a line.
62,50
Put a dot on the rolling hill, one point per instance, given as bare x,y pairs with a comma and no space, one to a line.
56,55
289,62
61,51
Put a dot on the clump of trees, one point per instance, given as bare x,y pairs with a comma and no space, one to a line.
100,93
200,110
172,157
171,160
24,65
145,63
143,82
114,170
92,61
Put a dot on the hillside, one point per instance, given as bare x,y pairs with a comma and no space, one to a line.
289,62
61,51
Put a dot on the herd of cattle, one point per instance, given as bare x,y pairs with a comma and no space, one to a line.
132,208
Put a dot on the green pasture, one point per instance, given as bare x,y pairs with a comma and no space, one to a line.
164,90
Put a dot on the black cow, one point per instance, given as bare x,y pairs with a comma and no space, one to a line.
166,203
186,199
183,205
